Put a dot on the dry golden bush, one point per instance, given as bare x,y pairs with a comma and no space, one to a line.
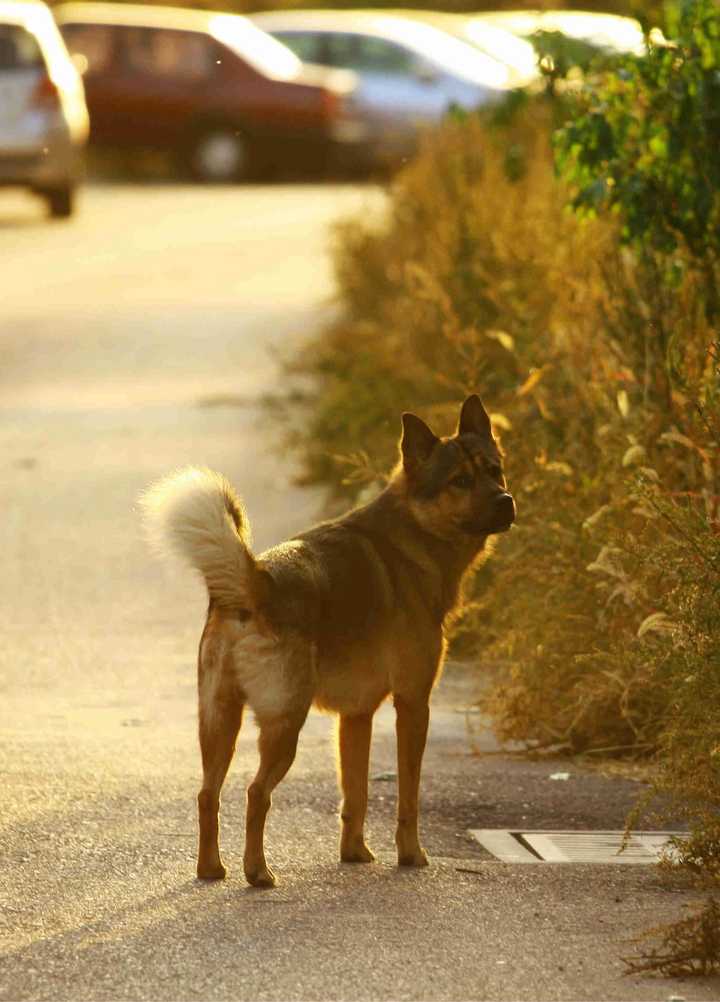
601,379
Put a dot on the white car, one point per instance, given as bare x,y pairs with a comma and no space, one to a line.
411,73
605,32
506,47
43,117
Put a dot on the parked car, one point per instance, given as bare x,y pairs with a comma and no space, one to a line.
43,117
513,51
604,32
411,72
226,99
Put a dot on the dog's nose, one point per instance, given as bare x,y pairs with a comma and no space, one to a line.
505,507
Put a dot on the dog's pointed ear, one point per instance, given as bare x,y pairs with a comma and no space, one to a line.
417,442
474,419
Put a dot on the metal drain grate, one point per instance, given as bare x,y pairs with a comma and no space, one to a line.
574,847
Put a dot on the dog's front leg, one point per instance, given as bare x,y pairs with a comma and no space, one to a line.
411,725
354,746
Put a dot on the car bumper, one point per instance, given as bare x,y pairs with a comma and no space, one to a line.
373,150
375,139
56,162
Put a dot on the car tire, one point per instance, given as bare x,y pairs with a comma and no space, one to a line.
219,155
60,201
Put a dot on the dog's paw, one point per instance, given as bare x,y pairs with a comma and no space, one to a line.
358,853
260,876
416,858
214,872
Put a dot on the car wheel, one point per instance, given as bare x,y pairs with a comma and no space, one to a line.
60,201
220,155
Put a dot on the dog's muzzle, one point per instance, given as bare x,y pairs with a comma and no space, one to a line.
499,519
504,514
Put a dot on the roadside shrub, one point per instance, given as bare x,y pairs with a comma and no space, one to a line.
688,947
652,161
601,672
598,621
456,288
644,139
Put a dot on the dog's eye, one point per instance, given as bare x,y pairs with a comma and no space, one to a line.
462,480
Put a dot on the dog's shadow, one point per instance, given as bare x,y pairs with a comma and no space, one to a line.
203,915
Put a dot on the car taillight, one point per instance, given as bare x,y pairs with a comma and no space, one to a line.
330,103
45,95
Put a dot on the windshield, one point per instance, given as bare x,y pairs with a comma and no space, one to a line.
261,51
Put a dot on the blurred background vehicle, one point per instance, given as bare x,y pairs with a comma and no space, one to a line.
226,100
512,50
411,72
43,117
610,33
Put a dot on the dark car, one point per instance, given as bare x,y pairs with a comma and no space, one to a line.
223,96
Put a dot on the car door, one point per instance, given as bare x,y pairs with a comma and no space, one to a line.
94,44
143,84
394,80
164,75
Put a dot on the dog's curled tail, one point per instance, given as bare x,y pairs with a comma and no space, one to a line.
195,514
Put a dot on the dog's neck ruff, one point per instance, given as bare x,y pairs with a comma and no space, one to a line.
436,565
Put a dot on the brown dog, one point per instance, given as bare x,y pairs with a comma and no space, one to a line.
341,616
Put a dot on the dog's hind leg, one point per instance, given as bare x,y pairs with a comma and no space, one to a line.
220,712
354,747
277,744
411,725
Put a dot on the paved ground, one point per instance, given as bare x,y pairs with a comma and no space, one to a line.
133,340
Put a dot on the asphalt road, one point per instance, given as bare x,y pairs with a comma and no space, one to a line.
135,339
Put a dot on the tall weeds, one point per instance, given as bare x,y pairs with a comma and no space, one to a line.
598,621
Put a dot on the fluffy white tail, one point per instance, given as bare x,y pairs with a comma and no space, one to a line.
197,515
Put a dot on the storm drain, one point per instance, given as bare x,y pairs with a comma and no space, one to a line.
575,847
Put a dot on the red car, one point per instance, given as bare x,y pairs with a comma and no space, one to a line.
223,96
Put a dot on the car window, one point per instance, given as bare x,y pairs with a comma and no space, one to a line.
19,50
306,45
259,50
93,41
368,53
166,53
